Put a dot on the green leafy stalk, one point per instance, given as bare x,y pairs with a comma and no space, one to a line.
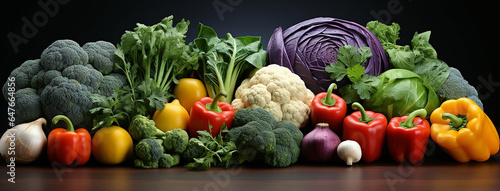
152,58
225,60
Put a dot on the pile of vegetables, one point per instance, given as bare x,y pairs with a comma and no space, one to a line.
157,101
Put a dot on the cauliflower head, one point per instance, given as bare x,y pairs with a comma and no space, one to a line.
277,90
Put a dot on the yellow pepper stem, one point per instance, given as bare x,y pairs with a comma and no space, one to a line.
457,122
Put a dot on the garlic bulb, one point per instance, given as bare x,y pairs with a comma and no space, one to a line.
349,151
25,142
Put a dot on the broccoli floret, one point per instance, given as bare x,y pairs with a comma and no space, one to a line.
101,55
296,134
256,135
61,54
168,161
63,96
28,107
149,149
23,75
288,140
111,82
43,78
275,143
248,115
194,149
176,140
86,76
138,163
141,127
456,87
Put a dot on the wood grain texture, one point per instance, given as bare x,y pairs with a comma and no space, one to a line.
431,175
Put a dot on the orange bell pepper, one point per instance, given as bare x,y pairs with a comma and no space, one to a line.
464,131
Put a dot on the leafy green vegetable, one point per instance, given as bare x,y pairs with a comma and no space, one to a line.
224,60
362,85
217,151
109,110
433,72
152,59
402,57
400,92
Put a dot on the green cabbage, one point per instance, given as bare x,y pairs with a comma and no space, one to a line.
400,92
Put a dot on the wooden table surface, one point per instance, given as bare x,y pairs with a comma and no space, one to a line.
432,174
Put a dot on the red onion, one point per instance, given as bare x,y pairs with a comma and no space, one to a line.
320,145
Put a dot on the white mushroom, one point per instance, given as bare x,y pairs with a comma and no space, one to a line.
349,151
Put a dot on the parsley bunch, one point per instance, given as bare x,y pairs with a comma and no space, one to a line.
350,62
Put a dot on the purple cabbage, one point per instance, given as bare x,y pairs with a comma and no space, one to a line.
308,47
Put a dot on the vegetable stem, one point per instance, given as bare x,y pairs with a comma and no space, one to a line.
364,118
457,122
408,123
68,122
328,100
213,106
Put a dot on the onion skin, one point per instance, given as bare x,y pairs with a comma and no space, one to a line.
320,145
30,141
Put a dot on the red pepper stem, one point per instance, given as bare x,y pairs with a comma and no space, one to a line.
364,118
408,123
213,106
328,100
456,122
68,122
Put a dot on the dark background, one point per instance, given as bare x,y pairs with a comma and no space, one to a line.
464,33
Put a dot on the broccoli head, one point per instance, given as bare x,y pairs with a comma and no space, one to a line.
139,163
28,107
111,82
194,149
288,140
61,54
456,87
275,143
168,160
43,78
86,76
141,127
101,55
176,140
23,75
149,149
247,115
63,96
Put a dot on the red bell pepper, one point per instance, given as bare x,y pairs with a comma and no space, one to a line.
407,137
327,107
67,146
368,129
210,111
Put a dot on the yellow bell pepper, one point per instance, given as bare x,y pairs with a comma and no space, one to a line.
112,145
464,131
173,116
189,91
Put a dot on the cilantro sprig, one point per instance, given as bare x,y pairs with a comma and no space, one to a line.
218,151
350,63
